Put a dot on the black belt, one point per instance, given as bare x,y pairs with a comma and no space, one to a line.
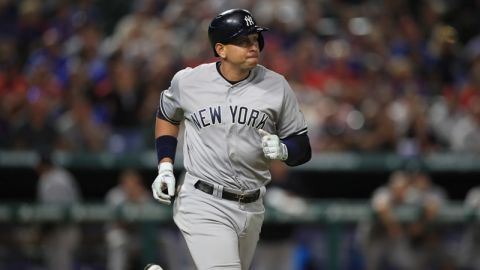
243,198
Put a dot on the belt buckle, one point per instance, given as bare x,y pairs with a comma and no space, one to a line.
241,197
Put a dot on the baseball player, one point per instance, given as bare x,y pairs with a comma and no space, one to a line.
238,116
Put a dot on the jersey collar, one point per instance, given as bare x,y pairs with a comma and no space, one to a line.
247,79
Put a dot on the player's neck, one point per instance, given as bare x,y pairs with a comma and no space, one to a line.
233,73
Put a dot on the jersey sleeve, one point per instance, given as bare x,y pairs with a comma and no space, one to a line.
170,107
291,119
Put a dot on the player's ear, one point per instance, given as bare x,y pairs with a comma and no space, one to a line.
220,49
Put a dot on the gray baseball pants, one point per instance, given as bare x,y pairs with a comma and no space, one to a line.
220,234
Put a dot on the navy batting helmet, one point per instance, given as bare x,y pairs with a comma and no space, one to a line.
231,24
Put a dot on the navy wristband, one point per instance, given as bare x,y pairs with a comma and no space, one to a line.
166,146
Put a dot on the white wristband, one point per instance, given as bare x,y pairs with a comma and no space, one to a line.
165,166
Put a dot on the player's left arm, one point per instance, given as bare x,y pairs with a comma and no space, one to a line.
292,129
293,150
292,144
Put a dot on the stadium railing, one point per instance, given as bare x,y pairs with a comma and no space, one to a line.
347,162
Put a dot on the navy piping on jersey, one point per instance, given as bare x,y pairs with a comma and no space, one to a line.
217,65
300,132
162,115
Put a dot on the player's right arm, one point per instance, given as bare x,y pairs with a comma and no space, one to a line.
169,116
165,143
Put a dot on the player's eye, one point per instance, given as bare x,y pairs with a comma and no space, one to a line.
241,41
245,41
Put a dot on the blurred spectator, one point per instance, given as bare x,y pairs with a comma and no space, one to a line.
410,121
79,130
51,58
13,91
8,19
445,114
124,239
88,67
124,107
470,244
466,137
59,240
68,17
454,117
35,130
134,33
127,95
30,26
377,134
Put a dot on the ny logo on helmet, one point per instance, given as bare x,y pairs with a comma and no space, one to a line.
249,20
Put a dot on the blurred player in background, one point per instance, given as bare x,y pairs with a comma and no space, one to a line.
124,239
384,240
60,240
470,244
425,235
276,249
390,241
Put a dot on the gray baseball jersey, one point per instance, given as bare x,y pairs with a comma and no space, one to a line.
221,141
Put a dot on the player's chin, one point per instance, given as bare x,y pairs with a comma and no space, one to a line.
251,61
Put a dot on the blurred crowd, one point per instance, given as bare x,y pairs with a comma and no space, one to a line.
371,75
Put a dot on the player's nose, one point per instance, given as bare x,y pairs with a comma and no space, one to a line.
253,42
254,48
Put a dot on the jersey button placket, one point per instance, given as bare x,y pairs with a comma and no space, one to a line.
230,130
